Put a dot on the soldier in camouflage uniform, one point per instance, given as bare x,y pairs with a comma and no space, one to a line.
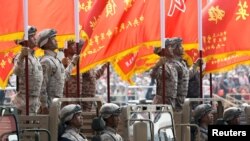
184,73
35,75
87,79
171,76
72,120
110,113
54,73
232,116
203,117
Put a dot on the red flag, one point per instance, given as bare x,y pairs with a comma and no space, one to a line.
134,63
89,14
6,64
57,14
226,63
11,23
225,34
181,21
130,25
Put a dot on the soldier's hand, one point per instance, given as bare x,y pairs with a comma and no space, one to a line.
24,52
75,59
65,62
43,110
197,62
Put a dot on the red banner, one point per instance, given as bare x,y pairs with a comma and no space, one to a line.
225,34
6,64
90,11
57,14
134,63
11,23
130,25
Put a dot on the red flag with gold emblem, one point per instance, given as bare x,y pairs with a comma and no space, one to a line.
225,33
122,28
182,21
11,23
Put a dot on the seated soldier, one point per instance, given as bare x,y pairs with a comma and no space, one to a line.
203,117
72,121
232,116
110,113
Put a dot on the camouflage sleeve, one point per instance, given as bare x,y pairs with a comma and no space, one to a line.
47,70
19,65
68,71
155,73
192,72
100,72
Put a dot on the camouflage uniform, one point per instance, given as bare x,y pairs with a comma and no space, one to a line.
199,112
71,133
35,83
110,134
170,82
203,134
89,85
54,73
184,73
183,79
54,77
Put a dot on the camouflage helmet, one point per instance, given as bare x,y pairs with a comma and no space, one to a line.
31,31
231,113
43,36
201,110
68,112
109,109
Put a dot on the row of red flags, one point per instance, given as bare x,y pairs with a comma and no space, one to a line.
125,32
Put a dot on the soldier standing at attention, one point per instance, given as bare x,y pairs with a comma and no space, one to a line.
110,113
203,117
54,73
171,76
87,79
72,120
184,73
35,75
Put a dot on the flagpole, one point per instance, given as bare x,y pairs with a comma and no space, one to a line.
200,41
76,14
26,37
162,25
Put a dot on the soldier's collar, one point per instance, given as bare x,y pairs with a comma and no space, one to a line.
50,53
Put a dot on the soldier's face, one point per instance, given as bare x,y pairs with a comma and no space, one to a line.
32,41
116,120
52,43
179,51
77,120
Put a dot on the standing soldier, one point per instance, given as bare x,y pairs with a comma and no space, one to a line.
54,74
35,75
171,76
87,79
184,73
